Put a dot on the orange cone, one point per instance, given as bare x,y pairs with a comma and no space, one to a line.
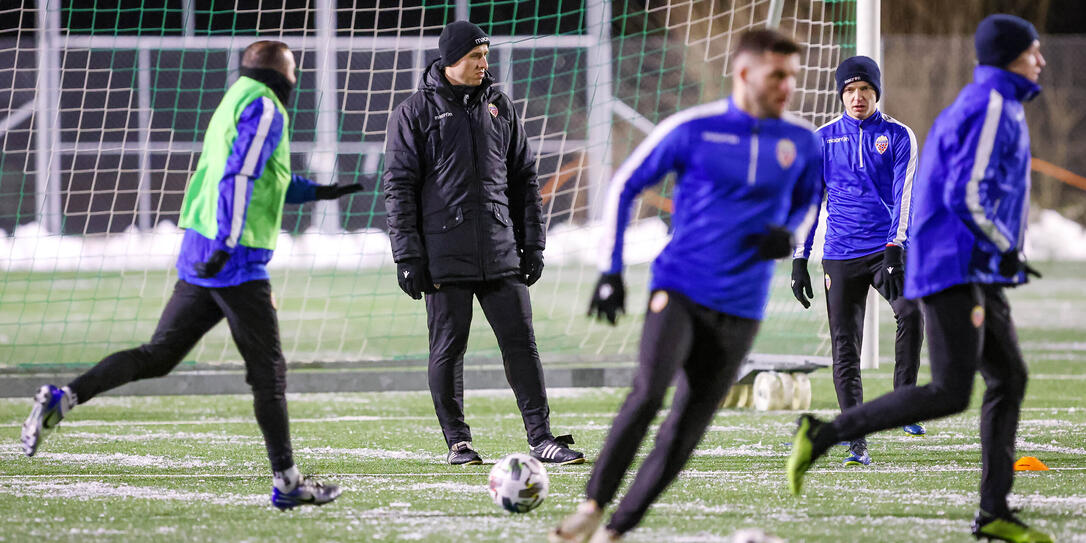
1029,463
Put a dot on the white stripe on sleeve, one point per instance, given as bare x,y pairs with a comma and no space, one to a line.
906,187
980,165
241,180
804,229
608,239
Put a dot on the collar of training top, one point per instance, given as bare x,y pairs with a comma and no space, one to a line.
275,81
1006,82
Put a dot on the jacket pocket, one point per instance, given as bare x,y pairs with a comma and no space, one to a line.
501,213
502,242
442,220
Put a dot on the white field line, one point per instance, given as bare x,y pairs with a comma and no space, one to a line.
554,472
127,460
300,420
364,454
202,437
1071,503
755,416
95,490
751,449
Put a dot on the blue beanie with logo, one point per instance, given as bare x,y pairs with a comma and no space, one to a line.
858,68
1001,38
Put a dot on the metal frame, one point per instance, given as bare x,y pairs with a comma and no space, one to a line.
322,153
869,43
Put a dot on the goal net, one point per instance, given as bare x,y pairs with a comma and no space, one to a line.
105,109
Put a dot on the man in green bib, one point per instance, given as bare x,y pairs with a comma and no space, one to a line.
232,213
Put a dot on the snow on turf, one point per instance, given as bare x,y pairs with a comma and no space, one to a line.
200,437
31,247
94,490
1020,446
311,453
126,460
752,449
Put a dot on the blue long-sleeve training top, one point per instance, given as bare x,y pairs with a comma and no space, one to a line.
259,131
736,176
868,170
972,193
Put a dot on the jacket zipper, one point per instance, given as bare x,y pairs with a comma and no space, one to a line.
478,184
752,169
861,147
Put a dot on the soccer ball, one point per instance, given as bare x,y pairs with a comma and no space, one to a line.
518,483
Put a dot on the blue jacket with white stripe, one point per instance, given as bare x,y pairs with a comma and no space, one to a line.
736,176
245,263
972,193
867,174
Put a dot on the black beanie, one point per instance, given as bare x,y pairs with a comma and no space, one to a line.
1001,38
858,68
458,39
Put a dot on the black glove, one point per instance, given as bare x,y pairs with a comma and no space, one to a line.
609,298
414,278
801,282
531,266
1010,263
213,266
774,243
331,192
893,264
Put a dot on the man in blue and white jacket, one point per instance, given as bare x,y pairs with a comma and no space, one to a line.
747,177
971,207
868,163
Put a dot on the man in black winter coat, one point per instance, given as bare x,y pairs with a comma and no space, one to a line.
466,220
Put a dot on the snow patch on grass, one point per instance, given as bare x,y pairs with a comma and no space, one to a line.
92,490
363,454
752,449
1021,446
458,488
201,437
126,460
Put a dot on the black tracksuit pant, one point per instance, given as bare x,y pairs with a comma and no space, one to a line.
704,348
847,283
507,307
189,314
969,328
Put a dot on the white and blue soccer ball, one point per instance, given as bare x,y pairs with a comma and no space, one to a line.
518,483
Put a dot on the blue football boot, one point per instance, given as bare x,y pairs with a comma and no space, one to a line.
857,454
51,404
915,430
308,492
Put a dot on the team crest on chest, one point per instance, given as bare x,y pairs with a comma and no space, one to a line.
493,109
882,143
786,153
658,301
977,316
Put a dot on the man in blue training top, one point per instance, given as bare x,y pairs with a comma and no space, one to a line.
748,175
868,162
971,207
232,213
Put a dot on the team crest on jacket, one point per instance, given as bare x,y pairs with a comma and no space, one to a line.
977,316
493,109
786,153
882,143
658,301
